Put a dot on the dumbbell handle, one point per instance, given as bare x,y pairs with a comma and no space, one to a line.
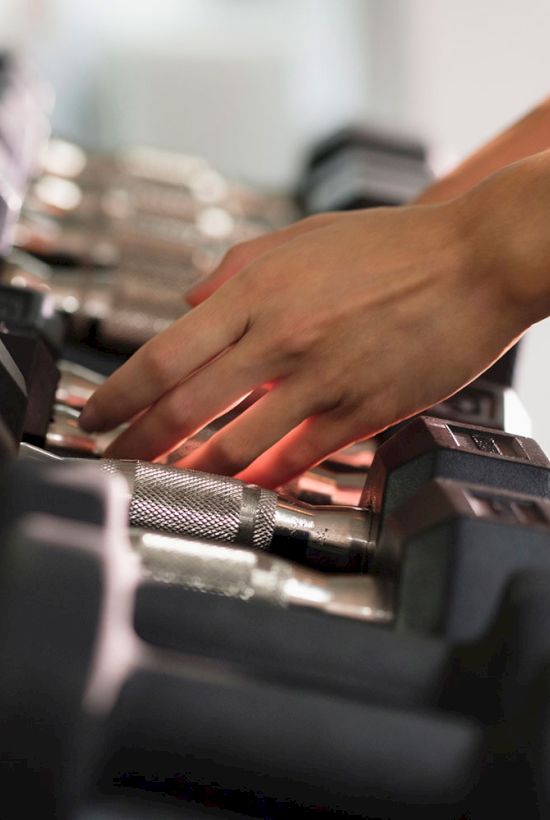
219,508
245,574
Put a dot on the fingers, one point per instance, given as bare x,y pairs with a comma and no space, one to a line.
257,429
190,405
308,444
242,255
159,365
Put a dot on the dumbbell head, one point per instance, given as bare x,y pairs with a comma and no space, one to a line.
360,167
13,390
430,448
28,310
57,589
36,363
8,445
485,403
455,547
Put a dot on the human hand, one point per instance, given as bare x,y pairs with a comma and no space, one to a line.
353,324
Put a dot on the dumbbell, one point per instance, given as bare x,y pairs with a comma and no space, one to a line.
121,308
340,478
161,179
361,167
453,548
483,403
195,504
375,664
489,524
261,610
61,582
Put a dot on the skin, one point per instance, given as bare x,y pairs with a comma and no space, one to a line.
349,322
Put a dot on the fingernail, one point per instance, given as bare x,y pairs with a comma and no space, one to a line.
88,419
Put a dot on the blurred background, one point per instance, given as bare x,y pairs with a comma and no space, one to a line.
251,84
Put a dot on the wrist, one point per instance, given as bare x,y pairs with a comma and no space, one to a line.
505,227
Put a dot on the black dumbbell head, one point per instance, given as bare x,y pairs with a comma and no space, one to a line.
455,547
429,448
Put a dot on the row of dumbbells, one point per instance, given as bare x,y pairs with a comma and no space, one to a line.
256,689
116,239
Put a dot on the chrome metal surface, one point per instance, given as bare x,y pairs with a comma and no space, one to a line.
201,505
197,504
238,573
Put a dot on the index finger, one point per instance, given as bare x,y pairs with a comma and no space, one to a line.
165,360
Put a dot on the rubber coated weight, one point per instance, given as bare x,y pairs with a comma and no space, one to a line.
359,167
37,365
455,547
353,659
32,311
50,608
311,749
429,448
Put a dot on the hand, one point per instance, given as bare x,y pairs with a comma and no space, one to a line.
352,324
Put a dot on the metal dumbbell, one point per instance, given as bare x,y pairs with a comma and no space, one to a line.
195,504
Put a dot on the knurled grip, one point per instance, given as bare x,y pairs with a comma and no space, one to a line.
195,504
212,568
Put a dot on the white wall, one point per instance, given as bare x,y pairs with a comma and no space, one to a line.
457,71
246,82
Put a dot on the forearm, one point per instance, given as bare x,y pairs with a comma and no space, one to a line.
528,136
506,220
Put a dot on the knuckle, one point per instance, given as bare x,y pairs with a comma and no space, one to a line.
158,365
237,256
296,340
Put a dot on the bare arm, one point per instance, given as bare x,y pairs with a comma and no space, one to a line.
527,136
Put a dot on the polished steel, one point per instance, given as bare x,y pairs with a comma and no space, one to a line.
200,505
76,384
239,573
196,504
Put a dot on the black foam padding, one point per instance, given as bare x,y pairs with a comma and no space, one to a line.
37,364
457,547
50,603
354,659
212,726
